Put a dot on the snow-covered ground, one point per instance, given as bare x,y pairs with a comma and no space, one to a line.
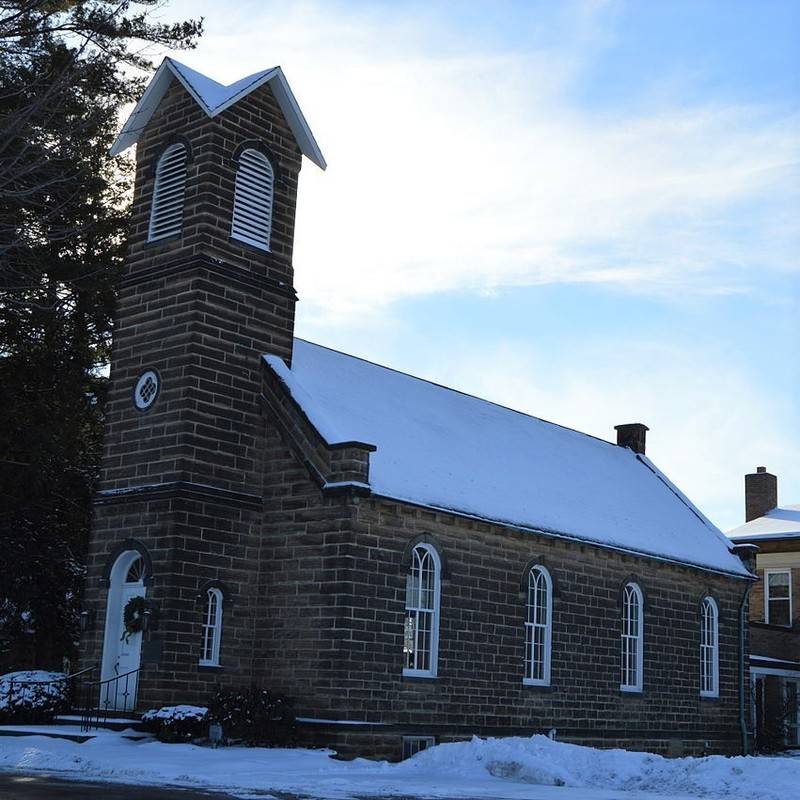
501,769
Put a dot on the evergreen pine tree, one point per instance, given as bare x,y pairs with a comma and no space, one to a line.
66,69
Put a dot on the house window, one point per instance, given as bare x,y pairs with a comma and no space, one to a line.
415,744
778,597
538,627
252,200
632,638
709,649
212,628
421,630
166,211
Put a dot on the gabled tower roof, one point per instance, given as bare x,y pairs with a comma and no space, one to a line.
214,98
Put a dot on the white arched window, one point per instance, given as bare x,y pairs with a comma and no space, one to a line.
709,648
252,200
212,628
166,211
538,627
421,630
632,638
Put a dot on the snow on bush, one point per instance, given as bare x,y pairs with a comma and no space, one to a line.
195,713
32,695
176,723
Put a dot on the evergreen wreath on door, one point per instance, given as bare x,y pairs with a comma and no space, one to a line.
133,617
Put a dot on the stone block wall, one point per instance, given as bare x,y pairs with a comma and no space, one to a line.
479,684
191,540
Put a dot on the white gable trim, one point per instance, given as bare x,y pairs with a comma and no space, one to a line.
170,69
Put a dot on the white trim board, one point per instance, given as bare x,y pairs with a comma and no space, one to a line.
778,560
787,673
214,98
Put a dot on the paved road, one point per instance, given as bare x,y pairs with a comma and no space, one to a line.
45,787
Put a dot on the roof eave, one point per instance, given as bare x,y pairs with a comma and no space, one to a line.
140,116
154,91
745,575
755,538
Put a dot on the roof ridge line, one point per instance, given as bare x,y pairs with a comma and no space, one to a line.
461,392
171,69
258,78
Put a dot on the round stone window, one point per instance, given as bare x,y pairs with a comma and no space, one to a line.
146,391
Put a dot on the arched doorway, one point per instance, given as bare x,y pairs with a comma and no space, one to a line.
121,652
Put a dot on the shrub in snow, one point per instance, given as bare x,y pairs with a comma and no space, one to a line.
32,696
256,716
177,723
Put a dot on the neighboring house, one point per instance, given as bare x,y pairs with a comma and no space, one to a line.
774,609
410,563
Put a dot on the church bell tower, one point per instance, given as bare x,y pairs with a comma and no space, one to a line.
207,289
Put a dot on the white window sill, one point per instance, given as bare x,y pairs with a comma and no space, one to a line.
711,695
630,689
202,663
418,673
532,682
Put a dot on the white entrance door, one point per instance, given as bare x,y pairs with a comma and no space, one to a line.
122,652
128,658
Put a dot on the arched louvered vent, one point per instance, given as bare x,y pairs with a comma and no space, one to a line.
166,213
252,200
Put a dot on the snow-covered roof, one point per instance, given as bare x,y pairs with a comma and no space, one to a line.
443,449
780,523
214,98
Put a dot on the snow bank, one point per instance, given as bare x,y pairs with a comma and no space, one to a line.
538,760
500,769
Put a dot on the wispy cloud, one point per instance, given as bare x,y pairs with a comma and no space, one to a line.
456,168
460,163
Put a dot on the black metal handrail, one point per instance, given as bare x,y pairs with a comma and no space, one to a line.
112,695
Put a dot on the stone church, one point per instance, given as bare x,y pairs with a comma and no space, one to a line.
410,563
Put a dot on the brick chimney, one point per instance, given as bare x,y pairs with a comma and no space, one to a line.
632,435
760,493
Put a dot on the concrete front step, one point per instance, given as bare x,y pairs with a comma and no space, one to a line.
114,721
66,729
51,731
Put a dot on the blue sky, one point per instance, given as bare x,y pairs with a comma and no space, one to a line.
585,210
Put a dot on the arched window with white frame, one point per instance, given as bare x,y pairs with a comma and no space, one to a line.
538,627
709,648
252,200
212,628
632,651
421,628
166,209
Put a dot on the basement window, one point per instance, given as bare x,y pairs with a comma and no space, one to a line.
416,744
